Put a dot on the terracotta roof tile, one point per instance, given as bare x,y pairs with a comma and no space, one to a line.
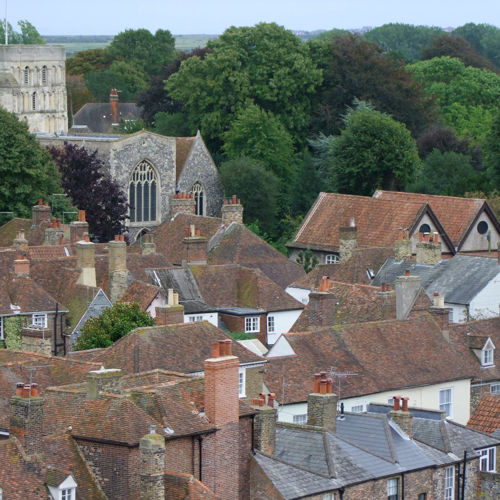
48,252
455,214
486,416
385,355
140,292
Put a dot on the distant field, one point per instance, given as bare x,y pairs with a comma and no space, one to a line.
74,44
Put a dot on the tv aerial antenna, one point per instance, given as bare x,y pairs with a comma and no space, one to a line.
339,375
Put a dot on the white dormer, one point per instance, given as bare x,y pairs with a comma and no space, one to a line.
488,353
65,491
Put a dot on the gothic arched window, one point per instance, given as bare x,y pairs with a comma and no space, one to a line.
199,198
143,193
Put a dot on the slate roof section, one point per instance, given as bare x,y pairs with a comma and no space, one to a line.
180,348
385,355
486,416
456,214
458,279
98,116
377,221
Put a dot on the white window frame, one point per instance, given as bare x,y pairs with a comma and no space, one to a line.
449,483
495,388
252,324
488,354
393,489
301,418
328,496
1,328
331,258
39,320
357,408
446,406
195,319
67,494
242,380
487,459
271,324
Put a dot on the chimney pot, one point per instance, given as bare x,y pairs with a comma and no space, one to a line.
323,386
329,385
405,403
34,390
40,201
270,399
234,200
222,347
117,237
436,239
397,400
19,389
317,378
26,391
228,347
383,286
215,350
388,288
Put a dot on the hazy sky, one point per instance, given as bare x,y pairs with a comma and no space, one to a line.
108,17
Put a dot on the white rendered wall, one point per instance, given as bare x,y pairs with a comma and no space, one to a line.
283,321
212,317
300,294
485,303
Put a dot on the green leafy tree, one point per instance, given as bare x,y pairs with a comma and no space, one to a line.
372,152
355,68
87,61
258,134
127,78
491,148
406,39
147,51
266,64
484,38
28,36
450,174
171,124
307,260
113,323
257,188
27,171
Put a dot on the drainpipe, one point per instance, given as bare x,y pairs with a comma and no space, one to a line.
403,486
341,493
200,457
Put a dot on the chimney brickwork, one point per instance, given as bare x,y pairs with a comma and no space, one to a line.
22,266
148,246
402,246
348,241
113,101
401,416
264,427
79,229
40,213
26,418
196,246
118,273
85,259
20,242
54,232
322,304
222,409
428,249
232,211
103,381
152,467
183,203
440,313
407,288
322,404
172,313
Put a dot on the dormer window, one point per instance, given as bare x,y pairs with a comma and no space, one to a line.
68,494
65,490
487,353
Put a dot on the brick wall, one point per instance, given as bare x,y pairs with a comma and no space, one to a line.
245,456
237,324
182,455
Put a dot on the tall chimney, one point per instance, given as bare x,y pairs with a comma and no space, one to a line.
40,213
232,211
20,242
401,416
54,232
196,246
22,266
26,418
148,246
322,404
103,380
322,304
348,240
172,313
113,100
440,313
79,229
85,259
402,246
117,268
183,203
264,427
152,466
222,410
429,249
407,288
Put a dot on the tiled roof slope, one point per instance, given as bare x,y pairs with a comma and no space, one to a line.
354,270
48,252
385,355
9,230
181,348
140,292
357,304
486,416
183,147
232,244
237,286
377,221
455,214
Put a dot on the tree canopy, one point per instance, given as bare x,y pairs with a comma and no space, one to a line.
26,169
113,323
86,182
28,35
484,38
265,64
373,151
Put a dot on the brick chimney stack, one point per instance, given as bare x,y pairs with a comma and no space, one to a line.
440,313
348,240
85,260
54,232
22,266
232,211
402,246
428,249
79,229
26,418
322,403
117,268
148,246
222,409
264,428
322,304
172,313
183,203
152,466
40,213
401,416
20,242
407,288
103,380
196,246
113,100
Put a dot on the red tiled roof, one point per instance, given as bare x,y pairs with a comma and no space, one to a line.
455,214
486,416
183,147
48,252
140,292
378,221
384,355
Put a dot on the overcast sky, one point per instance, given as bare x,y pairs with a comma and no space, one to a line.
109,17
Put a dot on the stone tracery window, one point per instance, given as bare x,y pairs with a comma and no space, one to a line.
143,188
199,198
